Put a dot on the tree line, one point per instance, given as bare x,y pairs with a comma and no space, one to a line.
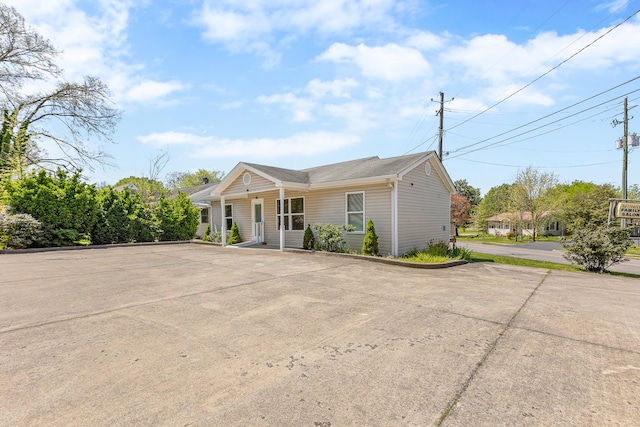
577,205
60,209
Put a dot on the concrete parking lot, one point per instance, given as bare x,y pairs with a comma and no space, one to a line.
197,335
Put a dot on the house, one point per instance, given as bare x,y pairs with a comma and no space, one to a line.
406,197
506,222
195,193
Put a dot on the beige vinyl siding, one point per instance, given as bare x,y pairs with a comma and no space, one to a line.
241,216
423,210
329,206
321,206
257,184
217,216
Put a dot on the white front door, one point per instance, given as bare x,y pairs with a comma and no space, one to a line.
257,219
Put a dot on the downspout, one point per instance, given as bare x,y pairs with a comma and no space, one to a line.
211,224
282,218
394,217
224,223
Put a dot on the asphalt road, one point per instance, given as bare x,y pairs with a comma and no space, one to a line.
197,335
542,251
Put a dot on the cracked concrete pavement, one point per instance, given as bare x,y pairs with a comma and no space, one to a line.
190,334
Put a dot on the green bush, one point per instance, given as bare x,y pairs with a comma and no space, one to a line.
234,236
206,237
598,247
330,238
19,231
175,219
309,240
438,248
370,242
123,218
66,206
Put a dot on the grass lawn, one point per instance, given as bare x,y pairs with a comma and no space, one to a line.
481,237
501,259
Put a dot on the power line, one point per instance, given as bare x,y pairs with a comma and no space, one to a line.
550,70
540,167
548,115
539,127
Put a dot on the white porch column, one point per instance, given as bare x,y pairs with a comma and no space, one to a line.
282,218
211,224
394,219
224,223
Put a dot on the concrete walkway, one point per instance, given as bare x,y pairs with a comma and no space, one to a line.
200,335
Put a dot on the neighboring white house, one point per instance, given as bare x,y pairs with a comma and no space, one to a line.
406,197
506,222
195,193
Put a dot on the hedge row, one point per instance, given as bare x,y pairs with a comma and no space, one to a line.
70,212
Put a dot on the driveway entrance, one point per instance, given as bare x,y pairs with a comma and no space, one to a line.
188,334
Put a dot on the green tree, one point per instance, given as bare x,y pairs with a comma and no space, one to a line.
191,179
176,218
66,206
17,151
308,240
494,202
370,242
149,190
470,193
123,218
582,204
530,194
596,248
234,235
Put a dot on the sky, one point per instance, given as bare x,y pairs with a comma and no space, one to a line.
297,83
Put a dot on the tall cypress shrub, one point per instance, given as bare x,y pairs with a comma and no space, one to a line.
370,242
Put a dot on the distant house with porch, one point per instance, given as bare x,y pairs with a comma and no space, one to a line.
195,193
406,197
521,225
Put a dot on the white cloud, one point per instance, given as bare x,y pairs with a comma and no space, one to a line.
149,90
390,62
426,41
339,88
300,107
613,6
94,44
162,139
252,25
300,144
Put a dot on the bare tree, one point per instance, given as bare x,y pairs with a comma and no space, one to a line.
157,164
70,115
24,54
529,196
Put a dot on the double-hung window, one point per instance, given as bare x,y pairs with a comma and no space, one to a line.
355,211
204,216
293,213
228,216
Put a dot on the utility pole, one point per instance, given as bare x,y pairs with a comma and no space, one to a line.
440,113
625,153
441,129
625,150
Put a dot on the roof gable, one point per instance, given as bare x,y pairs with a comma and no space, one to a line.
367,168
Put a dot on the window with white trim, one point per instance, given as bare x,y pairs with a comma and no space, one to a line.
293,213
355,211
228,215
204,216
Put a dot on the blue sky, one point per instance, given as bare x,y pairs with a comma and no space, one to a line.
296,83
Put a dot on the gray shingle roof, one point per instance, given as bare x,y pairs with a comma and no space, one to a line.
368,167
